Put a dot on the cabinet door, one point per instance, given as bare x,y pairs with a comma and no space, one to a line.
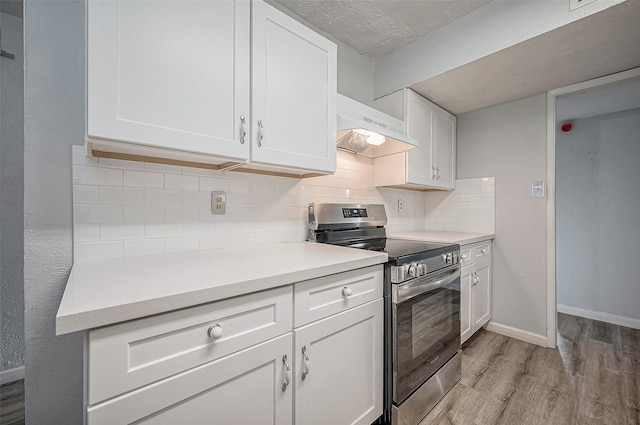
445,148
242,388
466,306
419,122
344,383
169,74
482,294
294,72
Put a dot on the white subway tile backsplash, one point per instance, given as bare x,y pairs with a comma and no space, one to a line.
180,182
86,194
213,183
216,241
143,179
163,230
199,228
138,247
183,244
143,213
162,196
121,231
97,250
192,197
121,195
86,233
124,208
92,214
182,213
97,176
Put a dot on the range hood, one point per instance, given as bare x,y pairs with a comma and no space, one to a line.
369,132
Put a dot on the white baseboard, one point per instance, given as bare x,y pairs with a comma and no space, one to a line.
11,375
516,333
629,322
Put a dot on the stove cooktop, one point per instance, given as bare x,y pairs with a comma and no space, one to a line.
402,251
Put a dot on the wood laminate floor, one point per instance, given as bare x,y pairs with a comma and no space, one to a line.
12,403
593,378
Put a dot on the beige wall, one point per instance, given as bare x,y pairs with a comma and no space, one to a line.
509,142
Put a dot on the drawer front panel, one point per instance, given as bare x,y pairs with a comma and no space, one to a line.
319,298
466,255
482,250
133,354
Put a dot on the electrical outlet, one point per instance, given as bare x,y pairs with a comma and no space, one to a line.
218,202
400,205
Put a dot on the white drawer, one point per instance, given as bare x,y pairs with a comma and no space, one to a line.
466,255
133,354
319,298
482,250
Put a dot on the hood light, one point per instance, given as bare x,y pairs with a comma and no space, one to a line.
372,138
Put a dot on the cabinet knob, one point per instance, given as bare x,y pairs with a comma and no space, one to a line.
464,256
215,331
346,291
483,250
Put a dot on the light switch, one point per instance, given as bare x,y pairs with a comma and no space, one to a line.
537,189
218,202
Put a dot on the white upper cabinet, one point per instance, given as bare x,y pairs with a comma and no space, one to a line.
170,74
430,165
212,81
294,93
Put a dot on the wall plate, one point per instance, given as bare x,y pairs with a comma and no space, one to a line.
218,202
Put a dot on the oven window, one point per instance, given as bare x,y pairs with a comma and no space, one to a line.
427,334
433,321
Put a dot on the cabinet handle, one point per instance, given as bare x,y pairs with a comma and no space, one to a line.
243,128
438,169
346,291
215,331
260,134
307,362
435,173
287,373
483,250
464,256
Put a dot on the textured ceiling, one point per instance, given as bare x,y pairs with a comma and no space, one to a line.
375,28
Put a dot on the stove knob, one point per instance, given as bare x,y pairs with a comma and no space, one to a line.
422,269
456,259
444,258
413,270
449,258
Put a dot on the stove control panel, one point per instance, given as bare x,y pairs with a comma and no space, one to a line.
416,269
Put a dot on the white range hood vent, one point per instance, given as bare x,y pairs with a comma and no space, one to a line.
369,132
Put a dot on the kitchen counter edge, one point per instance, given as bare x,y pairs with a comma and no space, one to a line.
105,292
444,236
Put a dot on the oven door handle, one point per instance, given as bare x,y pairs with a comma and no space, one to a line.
420,286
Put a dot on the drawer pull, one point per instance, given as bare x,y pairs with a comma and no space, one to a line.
483,250
346,291
287,374
215,331
464,256
307,362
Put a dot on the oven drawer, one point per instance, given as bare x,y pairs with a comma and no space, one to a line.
130,355
319,298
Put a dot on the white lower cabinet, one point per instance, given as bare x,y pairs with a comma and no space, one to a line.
339,368
242,388
475,294
242,361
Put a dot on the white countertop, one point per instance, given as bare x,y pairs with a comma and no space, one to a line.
100,293
462,238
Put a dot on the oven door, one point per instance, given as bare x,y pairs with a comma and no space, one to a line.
426,328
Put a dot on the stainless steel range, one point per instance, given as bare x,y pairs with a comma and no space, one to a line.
422,307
